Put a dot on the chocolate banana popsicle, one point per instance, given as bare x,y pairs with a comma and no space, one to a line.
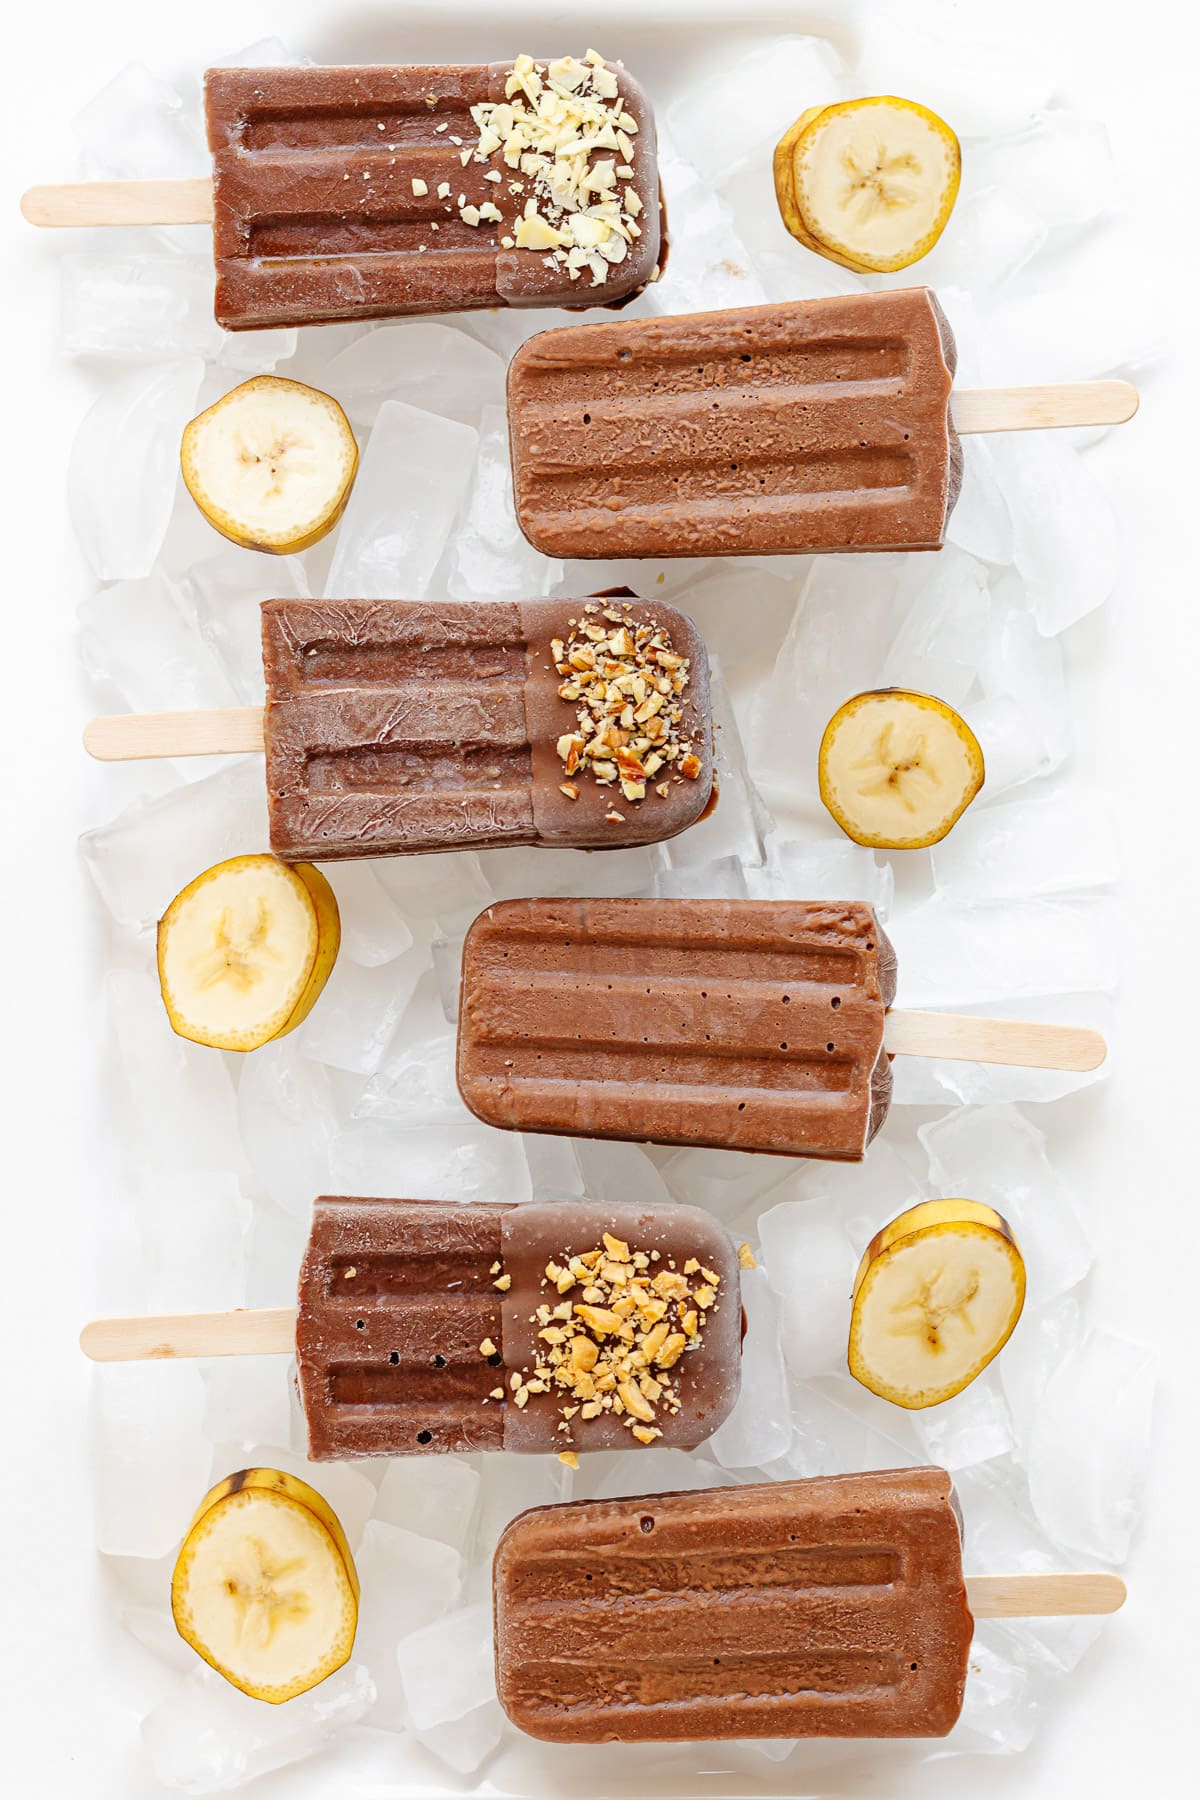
742,1025
426,1327
396,726
813,425
833,1607
359,193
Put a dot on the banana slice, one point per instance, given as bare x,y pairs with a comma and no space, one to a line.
937,1294
265,1587
897,769
271,464
868,183
245,949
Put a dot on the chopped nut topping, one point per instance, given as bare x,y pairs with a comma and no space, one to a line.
487,1348
418,186
504,1283
569,1457
610,1349
553,127
746,1258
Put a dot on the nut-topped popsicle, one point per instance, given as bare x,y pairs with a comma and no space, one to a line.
425,1326
360,192
395,726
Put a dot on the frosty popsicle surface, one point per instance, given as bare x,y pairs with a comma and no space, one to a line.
744,1025
812,425
833,1607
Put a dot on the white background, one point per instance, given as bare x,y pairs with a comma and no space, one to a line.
1125,1721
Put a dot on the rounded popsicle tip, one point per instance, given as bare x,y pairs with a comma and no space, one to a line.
1092,1050
98,739
1126,401
35,206
91,1340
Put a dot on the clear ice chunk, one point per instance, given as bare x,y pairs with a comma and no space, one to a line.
995,1155
192,1226
411,483
224,592
785,75
447,1668
406,1583
1060,167
373,932
1089,1446
355,1018
415,1085
759,1429
152,1458
971,1428
437,368
943,625
466,1161
130,307
491,559
248,1399
206,1737
961,952
179,1098
739,822
981,523
431,1497
143,639
151,851
138,127
1064,532
464,1744
288,1122
123,472
708,267
1041,843
823,869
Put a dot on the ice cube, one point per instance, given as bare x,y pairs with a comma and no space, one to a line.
954,953
415,1085
124,467
1060,167
617,1174
192,1228
1041,1340
1064,532
206,1737
224,592
138,307
808,1259
986,83
152,1458
981,523
994,1154
464,1744
248,1399
1089,1446
784,74
448,890
142,638
491,559
823,869
431,1496
759,1428
971,1428
724,879
447,1668
373,931
424,363
554,1171
411,482
352,1024
180,1108
462,1162
1023,723
740,820
1000,1701
288,1123
944,616
996,231
580,872
153,849
841,1428
709,267
138,127
407,1582
1096,321
626,1473
1042,843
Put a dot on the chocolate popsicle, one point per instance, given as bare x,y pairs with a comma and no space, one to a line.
359,192
833,1607
813,425
396,726
743,1025
426,1327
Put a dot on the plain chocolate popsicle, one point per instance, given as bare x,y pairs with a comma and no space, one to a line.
833,1607
339,193
739,1024
396,726
420,1324
813,425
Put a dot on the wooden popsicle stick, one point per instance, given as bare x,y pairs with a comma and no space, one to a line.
225,731
1043,408
965,1039
1044,1596
268,1331
185,202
